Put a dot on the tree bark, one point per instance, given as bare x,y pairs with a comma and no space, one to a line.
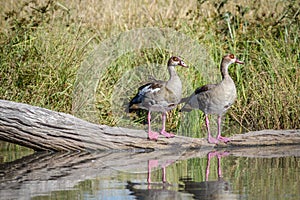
43,129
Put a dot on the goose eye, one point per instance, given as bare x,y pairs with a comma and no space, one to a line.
231,56
175,59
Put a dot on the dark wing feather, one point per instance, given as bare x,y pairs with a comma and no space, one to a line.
205,88
142,90
187,100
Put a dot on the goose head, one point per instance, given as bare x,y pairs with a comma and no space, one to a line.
230,58
176,61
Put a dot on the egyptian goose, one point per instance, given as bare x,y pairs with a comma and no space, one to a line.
160,96
215,98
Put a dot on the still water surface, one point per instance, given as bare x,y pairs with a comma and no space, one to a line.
203,174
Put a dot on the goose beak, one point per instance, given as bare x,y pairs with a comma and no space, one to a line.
239,62
183,64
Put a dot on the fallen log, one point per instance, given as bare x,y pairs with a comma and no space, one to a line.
42,129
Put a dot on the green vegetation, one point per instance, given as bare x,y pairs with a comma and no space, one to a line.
43,43
10,152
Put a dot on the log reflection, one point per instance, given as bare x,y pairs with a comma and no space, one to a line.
45,172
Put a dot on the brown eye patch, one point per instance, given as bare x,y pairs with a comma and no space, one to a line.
231,56
175,58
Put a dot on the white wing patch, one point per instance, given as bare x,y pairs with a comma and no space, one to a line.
148,89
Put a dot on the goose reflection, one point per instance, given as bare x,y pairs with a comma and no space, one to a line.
210,189
154,190
154,164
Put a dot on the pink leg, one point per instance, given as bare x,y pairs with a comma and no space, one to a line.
219,167
151,163
163,130
219,156
164,174
164,170
219,137
209,138
209,156
151,135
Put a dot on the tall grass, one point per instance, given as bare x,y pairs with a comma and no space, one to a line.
39,58
271,85
44,42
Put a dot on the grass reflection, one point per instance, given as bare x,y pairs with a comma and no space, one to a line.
10,152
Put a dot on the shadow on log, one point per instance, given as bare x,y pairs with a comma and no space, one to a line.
42,129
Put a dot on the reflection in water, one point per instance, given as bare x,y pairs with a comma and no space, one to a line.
161,191
154,164
216,189
156,190
128,175
208,189
10,152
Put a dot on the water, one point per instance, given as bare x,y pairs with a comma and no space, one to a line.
194,174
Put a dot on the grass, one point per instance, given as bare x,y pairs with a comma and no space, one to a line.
44,43
39,64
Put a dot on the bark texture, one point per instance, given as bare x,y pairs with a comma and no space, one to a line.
43,129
